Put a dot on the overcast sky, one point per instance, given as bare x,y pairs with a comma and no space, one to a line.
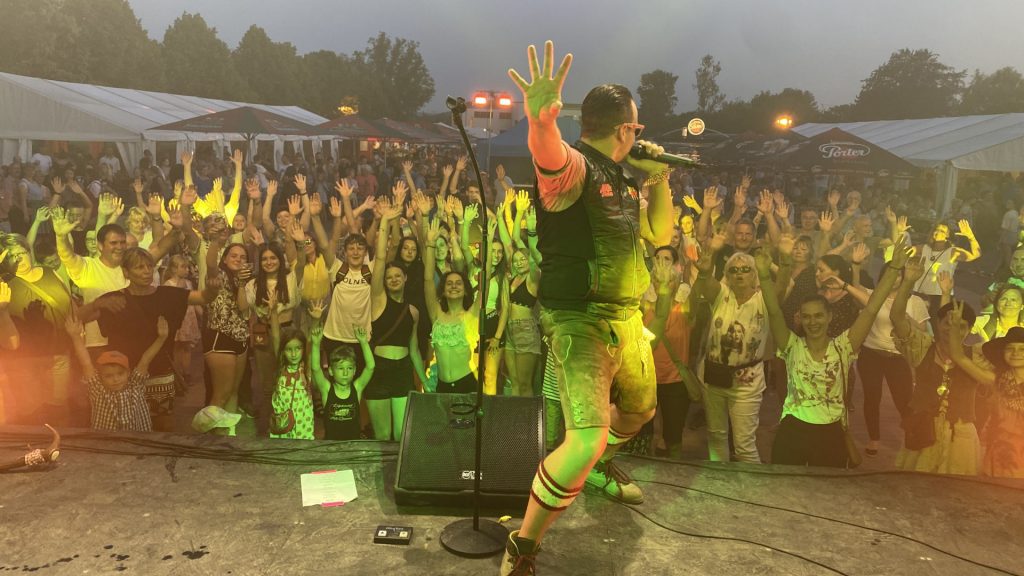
825,46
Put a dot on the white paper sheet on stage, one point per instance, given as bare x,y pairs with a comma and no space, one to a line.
328,488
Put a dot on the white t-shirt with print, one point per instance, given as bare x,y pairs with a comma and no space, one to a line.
815,388
739,335
95,279
350,304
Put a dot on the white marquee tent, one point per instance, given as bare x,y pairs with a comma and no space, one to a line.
946,145
38,109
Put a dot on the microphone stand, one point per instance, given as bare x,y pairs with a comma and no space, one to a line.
475,538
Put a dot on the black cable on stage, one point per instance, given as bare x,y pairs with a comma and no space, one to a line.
827,475
836,520
732,539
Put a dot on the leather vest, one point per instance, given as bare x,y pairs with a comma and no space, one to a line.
593,256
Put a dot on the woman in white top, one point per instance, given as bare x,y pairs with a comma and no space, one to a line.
817,366
941,255
733,366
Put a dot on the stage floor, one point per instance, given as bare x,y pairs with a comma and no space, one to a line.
160,504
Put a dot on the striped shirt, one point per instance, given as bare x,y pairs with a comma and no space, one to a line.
124,410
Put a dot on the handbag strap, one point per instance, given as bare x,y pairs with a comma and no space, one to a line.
405,312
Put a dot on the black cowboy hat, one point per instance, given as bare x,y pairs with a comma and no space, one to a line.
993,350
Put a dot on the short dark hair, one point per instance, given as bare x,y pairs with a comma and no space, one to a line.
605,107
671,250
817,298
342,353
353,238
108,229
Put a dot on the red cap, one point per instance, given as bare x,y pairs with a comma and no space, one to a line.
113,357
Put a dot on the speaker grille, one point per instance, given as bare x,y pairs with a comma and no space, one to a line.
437,452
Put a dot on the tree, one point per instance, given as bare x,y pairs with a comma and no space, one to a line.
766,107
710,97
398,82
93,41
912,84
997,93
657,93
271,69
331,79
198,63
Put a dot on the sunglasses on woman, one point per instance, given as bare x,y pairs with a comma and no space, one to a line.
739,269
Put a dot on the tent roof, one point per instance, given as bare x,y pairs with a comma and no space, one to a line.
39,109
512,142
993,142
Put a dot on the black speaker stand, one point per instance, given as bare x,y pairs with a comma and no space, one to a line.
475,538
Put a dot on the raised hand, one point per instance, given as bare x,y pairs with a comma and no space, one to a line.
744,183
848,238
153,206
471,212
294,205
252,188
218,186
901,225
448,170
957,327
407,166
42,215
186,157
316,205
73,325
455,204
61,225
106,205
662,274
178,186
914,269
389,210
400,190
901,253
300,183
945,281
460,164
717,241
58,185
360,333
833,198
965,230
316,332
826,221
370,203
421,202
691,203
296,231
781,206
255,236
765,203
189,196
271,189
138,186
531,219
76,188
711,199
344,189
316,310
861,252
175,215
522,201
433,231
236,158
542,96
335,207
739,199
118,209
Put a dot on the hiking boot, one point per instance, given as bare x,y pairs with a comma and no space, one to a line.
520,556
615,483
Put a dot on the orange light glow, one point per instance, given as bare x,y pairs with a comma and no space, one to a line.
504,101
784,122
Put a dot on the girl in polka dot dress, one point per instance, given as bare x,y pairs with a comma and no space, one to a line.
292,392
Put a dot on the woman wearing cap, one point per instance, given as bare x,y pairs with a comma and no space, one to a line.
939,424
1004,434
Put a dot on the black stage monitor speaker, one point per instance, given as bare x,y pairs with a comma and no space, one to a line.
436,459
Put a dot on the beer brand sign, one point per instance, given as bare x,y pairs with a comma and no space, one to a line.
843,150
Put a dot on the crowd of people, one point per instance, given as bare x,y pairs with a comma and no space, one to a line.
320,292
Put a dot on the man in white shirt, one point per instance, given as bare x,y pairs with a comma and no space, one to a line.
110,160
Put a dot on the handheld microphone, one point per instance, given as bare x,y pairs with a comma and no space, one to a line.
638,152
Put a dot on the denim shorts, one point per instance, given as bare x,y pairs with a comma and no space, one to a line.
599,362
523,336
